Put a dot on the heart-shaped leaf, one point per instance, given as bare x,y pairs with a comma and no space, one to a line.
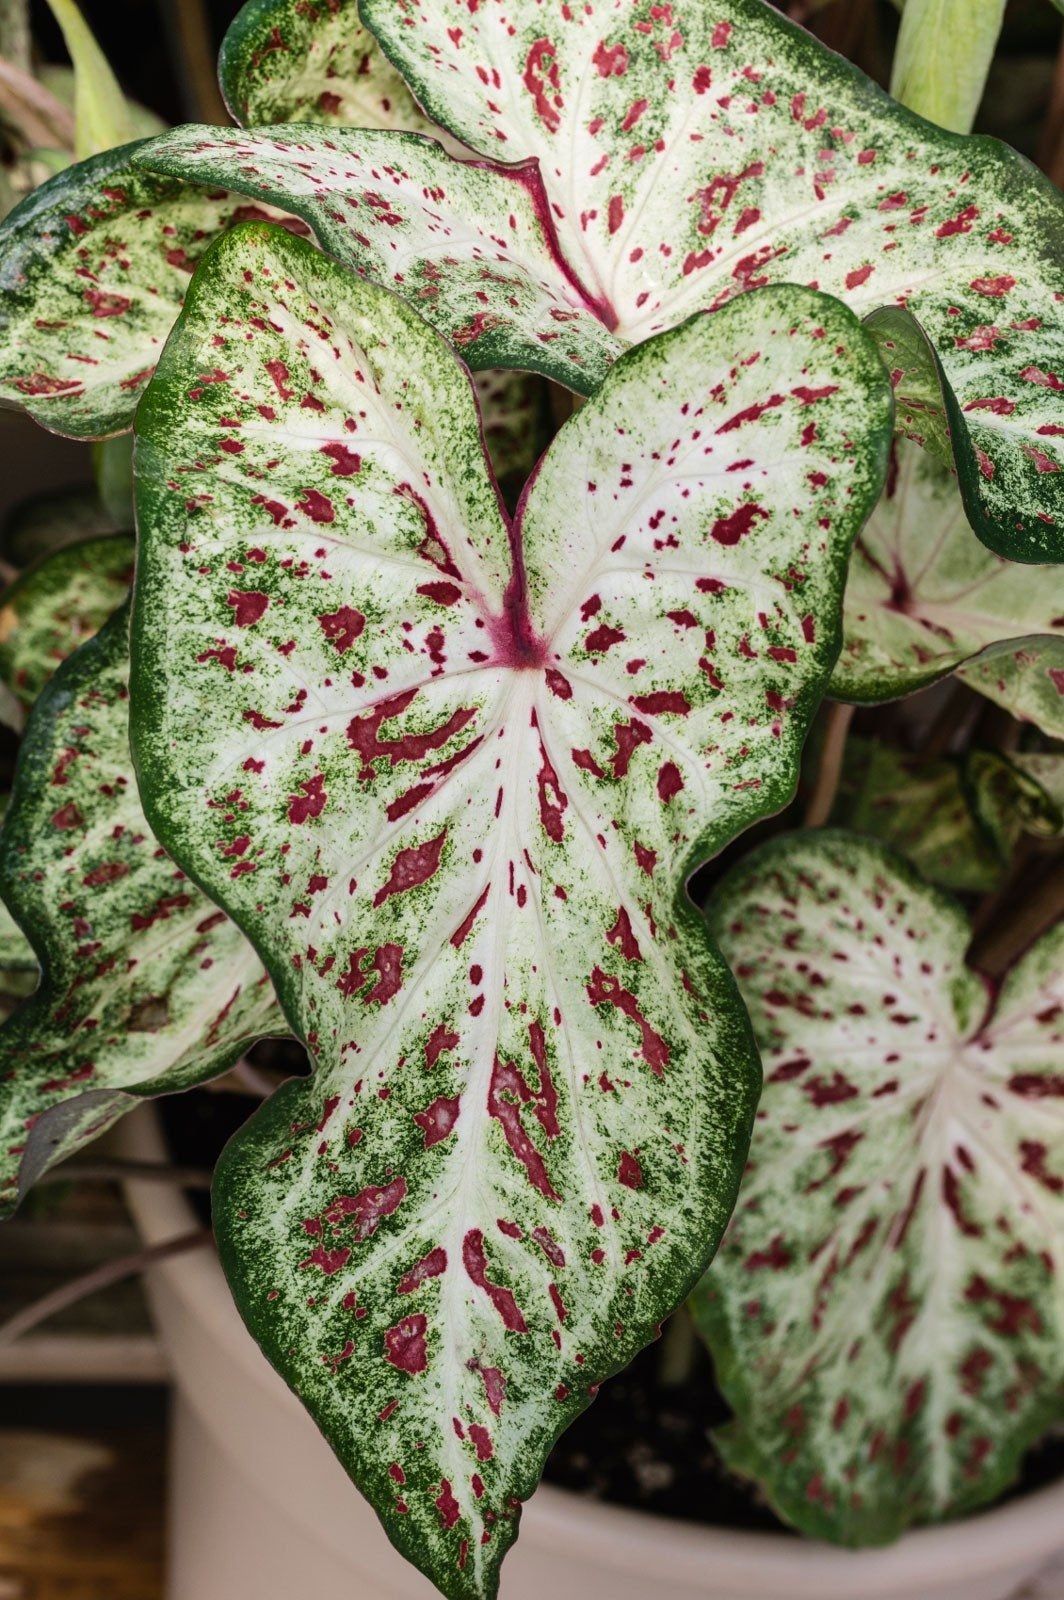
452,779
693,150
1028,682
470,244
885,1312
56,606
924,596
93,269
146,986
312,61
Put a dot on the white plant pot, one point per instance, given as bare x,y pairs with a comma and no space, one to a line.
261,1510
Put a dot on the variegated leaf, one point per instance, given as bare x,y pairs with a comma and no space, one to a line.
36,527
54,607
920,807
312,61
923,595
1010,800
451,780
1028,682
470,244
146,987
692,150
93,269
515,412
886,1312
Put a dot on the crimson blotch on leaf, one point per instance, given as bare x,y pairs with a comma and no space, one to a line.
885,1312
455,773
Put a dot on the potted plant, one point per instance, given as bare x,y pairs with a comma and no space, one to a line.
456,790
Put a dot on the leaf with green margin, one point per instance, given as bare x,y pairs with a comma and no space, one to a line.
56,606
312,61
471,245
454,775
46,522
1028,683
93,269
924,596
692,151
147,987
921,808
885,1312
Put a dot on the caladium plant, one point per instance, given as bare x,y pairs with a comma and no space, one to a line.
146,987
885,1311
455,773
925,597
677,157
57,605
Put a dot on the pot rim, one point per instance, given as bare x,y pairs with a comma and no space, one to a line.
617,1536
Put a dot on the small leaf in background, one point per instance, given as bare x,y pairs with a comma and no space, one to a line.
1009,799
924,596
920,807
312,61
102,117
885,1312
1028,683
943,55
56,606
146,986
93,271
690,152
47,522
515,414
454,774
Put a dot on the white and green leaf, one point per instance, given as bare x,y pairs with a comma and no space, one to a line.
146,986
454,775
1028,683
468,243
692,151
312,61
886,1312
93,270
56,606
924,596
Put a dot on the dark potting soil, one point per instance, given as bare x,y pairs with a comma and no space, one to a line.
642,1443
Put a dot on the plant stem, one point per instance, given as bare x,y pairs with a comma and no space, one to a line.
99,1278
189,31
679,1346
116,1170
15,41
826,787
1010,920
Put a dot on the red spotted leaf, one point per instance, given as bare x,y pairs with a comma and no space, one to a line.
453,773
56,606
93,269
924,596
693,150
1028,682
146,986
885,1312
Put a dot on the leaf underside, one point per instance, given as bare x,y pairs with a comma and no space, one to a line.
453,775
1028,683
56,606
146,986
692,151
886,1312
924,596
93,269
